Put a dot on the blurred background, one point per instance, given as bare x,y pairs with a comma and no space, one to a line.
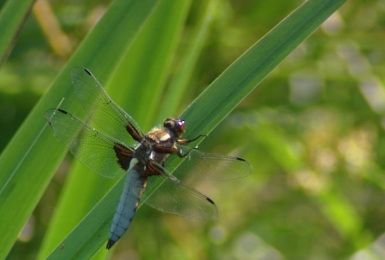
313,131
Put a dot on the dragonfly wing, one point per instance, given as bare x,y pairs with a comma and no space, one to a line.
174,197
101,153
107,116
216,167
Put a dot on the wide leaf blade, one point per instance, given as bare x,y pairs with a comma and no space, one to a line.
29,161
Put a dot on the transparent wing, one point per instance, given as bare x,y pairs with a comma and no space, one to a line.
107,116
101,153
214,166
174,197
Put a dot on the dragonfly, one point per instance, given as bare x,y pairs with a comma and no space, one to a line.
104,143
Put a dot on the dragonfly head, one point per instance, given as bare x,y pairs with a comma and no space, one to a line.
176,126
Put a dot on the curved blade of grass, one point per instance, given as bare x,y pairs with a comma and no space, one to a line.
145,82
29,161
12,17
218,100
84,241
183,72
238,80
153,52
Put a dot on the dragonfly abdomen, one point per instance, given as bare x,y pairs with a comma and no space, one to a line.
128,203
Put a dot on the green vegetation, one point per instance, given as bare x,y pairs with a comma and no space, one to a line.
312,129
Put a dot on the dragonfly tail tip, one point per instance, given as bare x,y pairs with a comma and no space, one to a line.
110,243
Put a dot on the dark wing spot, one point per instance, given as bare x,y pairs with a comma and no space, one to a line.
210,200
62,111
87,71
124,155
241,159
134,132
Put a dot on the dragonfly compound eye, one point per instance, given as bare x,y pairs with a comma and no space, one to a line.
180,124
169,123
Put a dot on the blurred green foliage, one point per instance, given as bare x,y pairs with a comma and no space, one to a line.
313,130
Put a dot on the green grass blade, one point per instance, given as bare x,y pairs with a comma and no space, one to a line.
29,161
12,16
183,71
138,76
221,97
154,51
84,241
240,78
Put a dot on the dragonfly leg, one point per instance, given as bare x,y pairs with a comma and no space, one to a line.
187,141
172,150
165,148
155,169
183,154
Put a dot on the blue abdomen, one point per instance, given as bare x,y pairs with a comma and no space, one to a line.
128,203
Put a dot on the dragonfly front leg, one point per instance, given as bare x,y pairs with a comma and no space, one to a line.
165,148
159,148
187,141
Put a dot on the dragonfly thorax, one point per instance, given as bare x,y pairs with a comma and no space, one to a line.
143,152
149,149
160,135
